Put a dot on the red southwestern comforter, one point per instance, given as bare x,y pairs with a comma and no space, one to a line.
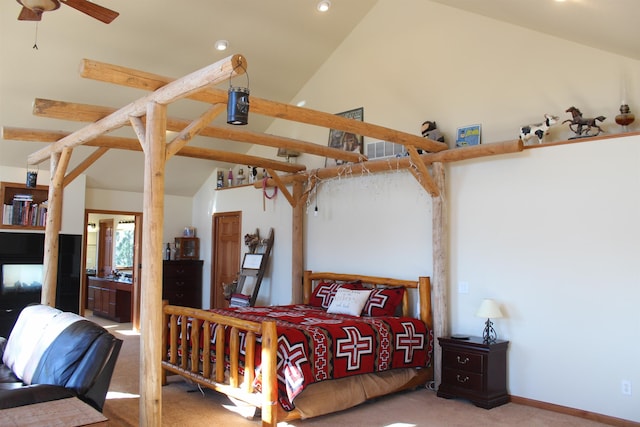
315,346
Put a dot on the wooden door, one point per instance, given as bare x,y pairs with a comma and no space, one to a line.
105,248
225,264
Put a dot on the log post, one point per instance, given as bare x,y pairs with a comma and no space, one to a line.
59,163
440,267
297,244
151,285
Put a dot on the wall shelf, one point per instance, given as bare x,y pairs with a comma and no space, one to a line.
31,212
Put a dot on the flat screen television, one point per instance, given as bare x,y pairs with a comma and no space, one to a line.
21,278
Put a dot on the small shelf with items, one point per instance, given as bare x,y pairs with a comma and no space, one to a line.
187,248
23,207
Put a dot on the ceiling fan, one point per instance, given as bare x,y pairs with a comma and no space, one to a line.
32,10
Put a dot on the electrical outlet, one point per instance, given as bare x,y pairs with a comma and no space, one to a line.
626,387
463,287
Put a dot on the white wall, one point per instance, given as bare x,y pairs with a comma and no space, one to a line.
549,233
177,209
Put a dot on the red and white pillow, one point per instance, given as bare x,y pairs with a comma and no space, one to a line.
383,302
325,292
380,302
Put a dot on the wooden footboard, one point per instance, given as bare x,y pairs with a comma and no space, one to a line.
183,356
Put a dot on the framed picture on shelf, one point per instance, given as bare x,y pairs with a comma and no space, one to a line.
344,140
252,261
468,135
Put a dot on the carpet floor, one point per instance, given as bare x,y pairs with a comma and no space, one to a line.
186,405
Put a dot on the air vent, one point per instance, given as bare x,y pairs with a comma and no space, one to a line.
382,149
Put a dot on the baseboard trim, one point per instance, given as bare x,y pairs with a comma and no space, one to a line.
605,419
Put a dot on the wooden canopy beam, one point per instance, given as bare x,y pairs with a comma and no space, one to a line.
92,113
395,163
282,187
181,88
35,135
142,80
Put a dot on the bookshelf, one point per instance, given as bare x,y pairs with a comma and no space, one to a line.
22,207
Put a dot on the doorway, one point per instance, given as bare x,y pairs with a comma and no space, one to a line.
112,243
225,263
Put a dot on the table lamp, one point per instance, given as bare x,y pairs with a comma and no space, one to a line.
489,309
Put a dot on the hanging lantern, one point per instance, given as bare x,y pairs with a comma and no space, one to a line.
238,106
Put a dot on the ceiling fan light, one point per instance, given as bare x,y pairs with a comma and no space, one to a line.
323,5
40,5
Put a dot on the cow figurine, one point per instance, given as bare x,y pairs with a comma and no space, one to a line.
538,129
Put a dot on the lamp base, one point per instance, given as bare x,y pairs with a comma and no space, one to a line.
489,334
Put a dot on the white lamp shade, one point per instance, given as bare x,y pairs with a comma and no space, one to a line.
489,309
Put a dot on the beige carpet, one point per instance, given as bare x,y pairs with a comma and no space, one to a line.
184,405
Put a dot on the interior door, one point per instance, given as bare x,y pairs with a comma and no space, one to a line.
225,264
105,248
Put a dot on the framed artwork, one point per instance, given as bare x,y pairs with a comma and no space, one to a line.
344,140
252,261
468,135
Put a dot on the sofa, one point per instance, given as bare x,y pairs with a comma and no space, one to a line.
51,355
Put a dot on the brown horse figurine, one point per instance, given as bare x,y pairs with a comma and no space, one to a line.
582,125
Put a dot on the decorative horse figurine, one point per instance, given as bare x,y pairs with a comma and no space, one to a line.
577,123
538,129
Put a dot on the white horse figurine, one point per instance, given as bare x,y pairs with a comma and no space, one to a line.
538,129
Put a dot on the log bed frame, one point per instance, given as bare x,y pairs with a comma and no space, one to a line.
230,382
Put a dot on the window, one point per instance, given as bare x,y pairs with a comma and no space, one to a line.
124,244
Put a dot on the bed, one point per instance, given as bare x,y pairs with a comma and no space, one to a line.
285,360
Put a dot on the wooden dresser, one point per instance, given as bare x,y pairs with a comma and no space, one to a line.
474,370
182,282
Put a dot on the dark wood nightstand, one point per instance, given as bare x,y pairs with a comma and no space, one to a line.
474,370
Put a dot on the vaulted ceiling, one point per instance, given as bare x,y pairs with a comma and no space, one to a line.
285,42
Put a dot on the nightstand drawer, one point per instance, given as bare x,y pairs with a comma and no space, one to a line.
462,379
461,360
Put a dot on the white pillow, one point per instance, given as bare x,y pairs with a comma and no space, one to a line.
348,301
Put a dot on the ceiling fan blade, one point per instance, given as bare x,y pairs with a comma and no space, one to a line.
96,11
27,14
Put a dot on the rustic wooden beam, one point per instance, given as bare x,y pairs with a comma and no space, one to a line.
35,135
297,244
151,344
58,166
92,113
421,174
183,87
141,80
282,187
440,282
396,163
84,165
193,129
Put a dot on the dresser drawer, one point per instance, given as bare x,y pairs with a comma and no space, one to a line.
462,360
462,379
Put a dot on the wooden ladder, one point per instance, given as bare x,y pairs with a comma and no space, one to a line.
254,265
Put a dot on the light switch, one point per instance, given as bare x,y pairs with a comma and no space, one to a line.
463,287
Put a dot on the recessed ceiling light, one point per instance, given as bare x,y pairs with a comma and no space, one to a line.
221,45
323,5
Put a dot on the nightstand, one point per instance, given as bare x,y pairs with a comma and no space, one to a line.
474,370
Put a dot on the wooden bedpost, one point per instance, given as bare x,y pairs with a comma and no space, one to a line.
440,267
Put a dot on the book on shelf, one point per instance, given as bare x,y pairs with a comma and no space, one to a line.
239,300
24,212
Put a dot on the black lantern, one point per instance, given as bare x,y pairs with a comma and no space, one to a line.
238,106
238,102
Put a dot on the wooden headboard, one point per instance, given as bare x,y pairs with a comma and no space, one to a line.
423,285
